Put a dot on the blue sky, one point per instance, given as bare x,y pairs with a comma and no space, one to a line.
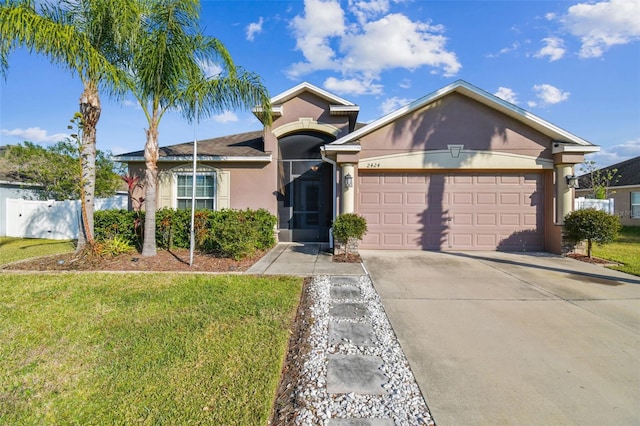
573,63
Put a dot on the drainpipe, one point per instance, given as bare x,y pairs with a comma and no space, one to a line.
334,166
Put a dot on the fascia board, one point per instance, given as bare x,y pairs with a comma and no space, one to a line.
179,158
304,86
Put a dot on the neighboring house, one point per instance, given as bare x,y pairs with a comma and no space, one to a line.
624,189
24,214
458,169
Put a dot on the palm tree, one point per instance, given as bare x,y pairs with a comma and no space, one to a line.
167,74
87,38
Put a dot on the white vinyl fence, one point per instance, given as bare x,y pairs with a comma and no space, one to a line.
591,203
57,220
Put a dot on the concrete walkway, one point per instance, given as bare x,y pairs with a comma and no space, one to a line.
305,260
511,339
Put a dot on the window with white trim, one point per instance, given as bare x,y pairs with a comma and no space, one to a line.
205,191
635,205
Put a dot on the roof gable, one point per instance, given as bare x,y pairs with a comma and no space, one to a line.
485,98
308,87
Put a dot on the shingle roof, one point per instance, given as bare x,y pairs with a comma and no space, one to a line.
249,144
628,172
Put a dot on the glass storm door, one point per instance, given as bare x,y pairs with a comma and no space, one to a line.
307,207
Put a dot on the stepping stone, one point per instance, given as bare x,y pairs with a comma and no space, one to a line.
345,292
355,373
345,280
355,333
348,310
361,422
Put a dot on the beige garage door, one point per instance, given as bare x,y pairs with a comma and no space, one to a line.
452,211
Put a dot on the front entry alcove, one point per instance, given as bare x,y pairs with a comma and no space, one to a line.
304,188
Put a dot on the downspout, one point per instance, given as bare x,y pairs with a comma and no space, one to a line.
333,211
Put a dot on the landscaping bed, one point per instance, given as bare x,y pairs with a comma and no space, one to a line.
166,260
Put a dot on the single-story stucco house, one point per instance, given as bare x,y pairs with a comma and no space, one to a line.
624,189
458,169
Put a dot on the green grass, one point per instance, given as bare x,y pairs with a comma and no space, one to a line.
14,249
101,348
624,250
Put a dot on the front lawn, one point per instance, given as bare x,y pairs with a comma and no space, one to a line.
625,250
97,348
14,249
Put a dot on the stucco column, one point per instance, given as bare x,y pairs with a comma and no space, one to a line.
348,194
564,203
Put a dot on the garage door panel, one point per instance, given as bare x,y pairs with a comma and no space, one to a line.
488,199
393,198
486,219
463,198
391,179
372,218
459,211
417,198
414,218
507,219
372,198
392,218
462,219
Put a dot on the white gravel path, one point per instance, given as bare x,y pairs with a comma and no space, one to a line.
403,403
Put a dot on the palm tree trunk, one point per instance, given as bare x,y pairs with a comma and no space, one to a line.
90,109
151,183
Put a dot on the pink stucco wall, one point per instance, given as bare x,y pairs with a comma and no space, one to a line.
456,119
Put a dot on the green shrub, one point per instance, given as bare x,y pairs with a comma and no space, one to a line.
231,235
115,223
228,233
591,225
349,227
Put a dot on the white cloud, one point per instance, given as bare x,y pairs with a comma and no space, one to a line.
322,20
405,83
507,94
554,49
602,25
616,153
210,69
391,104
548,95
34,134
254,28
225,117
366,10
368,46
353,86
397,42
514,46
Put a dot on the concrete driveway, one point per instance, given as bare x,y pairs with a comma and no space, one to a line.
502,338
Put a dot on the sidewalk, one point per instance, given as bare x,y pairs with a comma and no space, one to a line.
306,260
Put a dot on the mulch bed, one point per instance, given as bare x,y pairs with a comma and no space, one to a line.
165,261
587,259
347,258
286,404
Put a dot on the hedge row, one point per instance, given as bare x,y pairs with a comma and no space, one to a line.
227,233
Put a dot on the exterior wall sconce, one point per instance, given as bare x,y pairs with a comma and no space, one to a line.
572,181
348,180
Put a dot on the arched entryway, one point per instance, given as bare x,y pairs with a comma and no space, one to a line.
304,188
